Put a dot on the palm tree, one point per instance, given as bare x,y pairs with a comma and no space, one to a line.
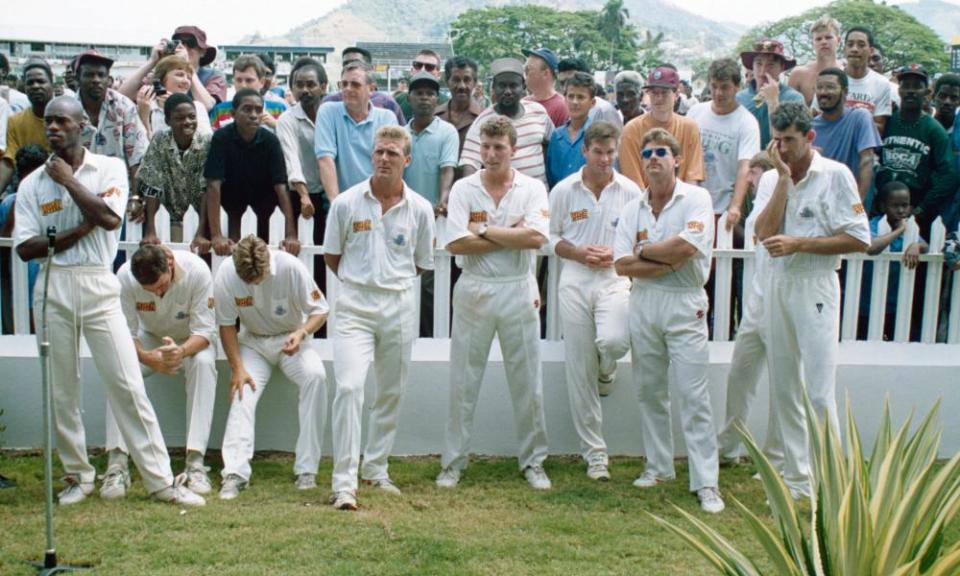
613,18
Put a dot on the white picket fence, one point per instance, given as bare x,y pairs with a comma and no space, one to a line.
724,255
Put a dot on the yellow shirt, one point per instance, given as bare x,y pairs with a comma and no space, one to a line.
687,133
25,128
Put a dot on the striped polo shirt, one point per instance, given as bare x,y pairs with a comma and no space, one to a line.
534,128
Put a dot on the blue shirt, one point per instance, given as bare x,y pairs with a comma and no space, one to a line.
436,146
348,142
893,278
846,137
564,156
745,98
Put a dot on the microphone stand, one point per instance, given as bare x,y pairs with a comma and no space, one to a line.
49,565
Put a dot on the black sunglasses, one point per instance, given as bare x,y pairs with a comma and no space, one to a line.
424,66
188,41
660,151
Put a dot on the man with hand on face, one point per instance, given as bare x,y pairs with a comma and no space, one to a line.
664,243
766,92
810,214
167,299
498,220
730,137
530,121
584,212
244,165
279,307
296,130
847,135
26,127
83,195
379,238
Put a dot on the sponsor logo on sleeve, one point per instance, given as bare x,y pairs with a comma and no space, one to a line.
244,302
315,295
578,215
210,302
112,191
479,216
858,209
362,225
146,306
695,226
48,208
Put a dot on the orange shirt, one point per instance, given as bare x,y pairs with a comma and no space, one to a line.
686,132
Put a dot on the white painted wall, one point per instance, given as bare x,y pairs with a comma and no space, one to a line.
913,376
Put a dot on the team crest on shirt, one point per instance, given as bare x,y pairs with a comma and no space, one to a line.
315,295
400,240
146,306
48,208
695,226
614,222
858,209
210,302
244,302
578,215
700,314
807,212
362,225
279,310
478,217
181,315
112,191
642,235
819,307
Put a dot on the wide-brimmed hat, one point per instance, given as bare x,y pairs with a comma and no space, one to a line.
200,36
767,46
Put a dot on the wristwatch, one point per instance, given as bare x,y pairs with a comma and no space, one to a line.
638,249
482,230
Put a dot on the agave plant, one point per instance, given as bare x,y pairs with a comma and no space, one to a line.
879,516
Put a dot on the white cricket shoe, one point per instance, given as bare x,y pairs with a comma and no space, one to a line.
598,471
345,500
448,478
649,479
384,484
537,478
198,481
710,500
231,486
306,481
115,483
75,490
179,493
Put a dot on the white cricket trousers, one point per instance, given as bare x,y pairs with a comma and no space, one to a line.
746,366
594,307
668,338
378,326
200,375
259,355
86,300
509,308
803,318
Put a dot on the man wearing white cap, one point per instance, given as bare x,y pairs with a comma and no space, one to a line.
665,242
279,307
594,302
167,299
498,219
379,238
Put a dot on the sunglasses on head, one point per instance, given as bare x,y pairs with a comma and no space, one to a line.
660,151
424,66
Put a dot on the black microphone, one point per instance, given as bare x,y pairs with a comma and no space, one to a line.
51,235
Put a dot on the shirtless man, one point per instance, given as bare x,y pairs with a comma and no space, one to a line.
825,34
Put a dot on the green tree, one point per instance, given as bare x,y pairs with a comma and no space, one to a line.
613,20
904,40
498,32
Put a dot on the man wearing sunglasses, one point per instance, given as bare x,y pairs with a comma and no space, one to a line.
664,243
426,61
377,98
209,85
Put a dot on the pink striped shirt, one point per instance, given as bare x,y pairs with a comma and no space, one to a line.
533,132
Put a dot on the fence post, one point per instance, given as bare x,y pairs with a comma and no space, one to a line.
931,293
722,281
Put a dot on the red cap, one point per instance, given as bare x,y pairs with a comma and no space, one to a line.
663,77
91,56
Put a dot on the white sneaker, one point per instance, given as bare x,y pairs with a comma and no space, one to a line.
115,483
598,471
198,481
537,477
385,484
605,383
649,479
231,486
306,481
448,478
179,493
710,500
345,500
75,491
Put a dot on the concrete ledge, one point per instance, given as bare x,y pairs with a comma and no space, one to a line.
913,376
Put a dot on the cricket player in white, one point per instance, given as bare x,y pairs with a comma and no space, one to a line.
497,220
84,196
594,301
379,237
280,307
167,299
665,242
813,215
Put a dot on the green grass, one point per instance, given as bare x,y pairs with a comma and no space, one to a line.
492,524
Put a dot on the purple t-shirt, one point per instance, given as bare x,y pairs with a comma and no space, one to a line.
845,138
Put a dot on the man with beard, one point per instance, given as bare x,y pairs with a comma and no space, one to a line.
460,74
529,119
825,36
83,195
27,127
847,135
916,151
